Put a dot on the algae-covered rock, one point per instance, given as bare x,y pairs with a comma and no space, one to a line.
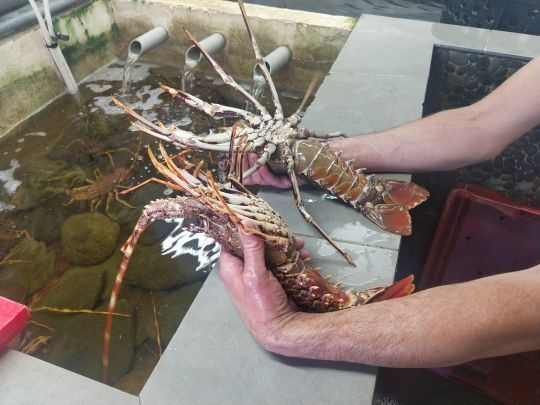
156,232
171,307
77,345
89,238
78,288
44,222
30,265
15,290
150,269
144,317
45,179
145,360
82,143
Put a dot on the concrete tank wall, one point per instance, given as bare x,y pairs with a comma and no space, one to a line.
100,31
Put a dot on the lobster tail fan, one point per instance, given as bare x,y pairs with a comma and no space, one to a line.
403,193
392,217
399,289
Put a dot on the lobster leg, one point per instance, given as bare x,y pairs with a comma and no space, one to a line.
308,217
212,109
268,150
117,198
140,118
174,135
228,79
328,136
151,180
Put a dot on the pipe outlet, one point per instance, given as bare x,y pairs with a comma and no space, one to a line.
211,44
147,41
274,61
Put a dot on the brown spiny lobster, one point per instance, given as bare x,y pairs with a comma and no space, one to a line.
105,186
218,211
287,148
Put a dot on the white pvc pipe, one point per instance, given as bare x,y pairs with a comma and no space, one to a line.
147,41
274,61
54,49
211,44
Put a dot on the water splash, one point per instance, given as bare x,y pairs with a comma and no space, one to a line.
181,241
128,71
327,196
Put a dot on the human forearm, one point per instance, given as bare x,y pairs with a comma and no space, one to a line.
440,142
437,327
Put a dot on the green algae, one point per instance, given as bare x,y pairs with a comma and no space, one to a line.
95,44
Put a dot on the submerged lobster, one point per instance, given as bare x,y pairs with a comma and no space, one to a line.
287,148
219,210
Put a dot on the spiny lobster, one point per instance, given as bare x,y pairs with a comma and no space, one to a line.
287,148
219,211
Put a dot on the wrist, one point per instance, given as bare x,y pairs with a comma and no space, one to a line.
284,335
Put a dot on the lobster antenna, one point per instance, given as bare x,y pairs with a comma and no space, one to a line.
311,86
260,62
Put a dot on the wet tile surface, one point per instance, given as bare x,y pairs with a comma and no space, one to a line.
212,358
28,380
342,222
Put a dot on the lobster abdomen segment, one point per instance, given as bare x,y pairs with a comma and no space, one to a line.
385,202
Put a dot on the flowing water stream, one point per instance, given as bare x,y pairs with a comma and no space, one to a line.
256,90
187,77
128,71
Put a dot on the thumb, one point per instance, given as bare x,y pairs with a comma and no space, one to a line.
253,250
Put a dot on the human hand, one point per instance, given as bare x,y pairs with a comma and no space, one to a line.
263,176
256,293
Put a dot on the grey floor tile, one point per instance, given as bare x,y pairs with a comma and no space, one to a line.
463,37
514,44
399,47
213,359
25,380
342,222
375,266
386,47
359,104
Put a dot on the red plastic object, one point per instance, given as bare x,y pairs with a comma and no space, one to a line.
481,233
13,317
